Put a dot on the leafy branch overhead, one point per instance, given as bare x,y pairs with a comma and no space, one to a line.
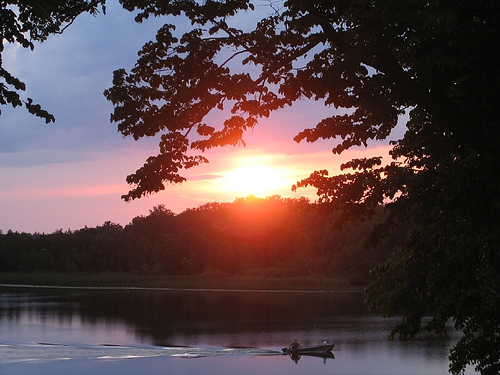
179,80
372,63
24,23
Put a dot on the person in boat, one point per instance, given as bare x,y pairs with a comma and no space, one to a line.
294,345
324,342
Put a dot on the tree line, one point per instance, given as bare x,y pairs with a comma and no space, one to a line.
274,236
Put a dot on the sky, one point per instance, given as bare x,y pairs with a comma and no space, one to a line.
71,173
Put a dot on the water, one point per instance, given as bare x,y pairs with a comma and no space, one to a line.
61,331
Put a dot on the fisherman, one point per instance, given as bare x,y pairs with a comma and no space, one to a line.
324,342
294,345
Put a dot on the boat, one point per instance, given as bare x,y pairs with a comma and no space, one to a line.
320,349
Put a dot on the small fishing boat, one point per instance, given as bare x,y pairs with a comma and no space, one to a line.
310,349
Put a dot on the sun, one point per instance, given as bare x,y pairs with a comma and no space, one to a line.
255,179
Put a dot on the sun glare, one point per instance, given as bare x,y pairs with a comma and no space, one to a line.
255,179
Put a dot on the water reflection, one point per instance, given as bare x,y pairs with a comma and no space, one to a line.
167,317
325,356
213,324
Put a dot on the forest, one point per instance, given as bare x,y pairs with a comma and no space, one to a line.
271,236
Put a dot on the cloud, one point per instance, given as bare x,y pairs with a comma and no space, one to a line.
67,75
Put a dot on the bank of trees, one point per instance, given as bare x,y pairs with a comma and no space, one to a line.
273,236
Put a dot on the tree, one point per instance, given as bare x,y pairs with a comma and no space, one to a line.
25,22
434,61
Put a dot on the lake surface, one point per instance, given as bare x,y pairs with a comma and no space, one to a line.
85,331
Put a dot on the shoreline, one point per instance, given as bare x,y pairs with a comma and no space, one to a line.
104,288
194,283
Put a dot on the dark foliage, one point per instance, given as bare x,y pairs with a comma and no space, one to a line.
253,236
25,22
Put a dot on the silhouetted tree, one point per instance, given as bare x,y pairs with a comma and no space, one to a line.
24,22
376,60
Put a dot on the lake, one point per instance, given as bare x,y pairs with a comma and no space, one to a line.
114,331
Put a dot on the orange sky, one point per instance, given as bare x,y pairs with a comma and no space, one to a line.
72,173
71,195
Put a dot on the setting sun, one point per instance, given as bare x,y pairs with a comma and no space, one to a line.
255,179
